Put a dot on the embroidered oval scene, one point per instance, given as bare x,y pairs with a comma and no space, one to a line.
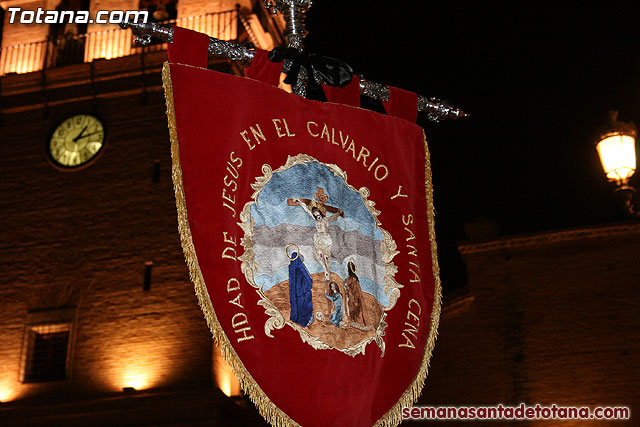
316,252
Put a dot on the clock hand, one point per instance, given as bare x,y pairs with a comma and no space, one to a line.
80,134
86,136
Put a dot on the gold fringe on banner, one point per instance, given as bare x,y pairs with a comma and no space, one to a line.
393,417
266,407
274,415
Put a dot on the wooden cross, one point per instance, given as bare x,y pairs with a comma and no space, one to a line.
321,199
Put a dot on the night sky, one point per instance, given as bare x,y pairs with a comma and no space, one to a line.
538,84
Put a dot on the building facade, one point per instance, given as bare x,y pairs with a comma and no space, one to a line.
545,318
100,323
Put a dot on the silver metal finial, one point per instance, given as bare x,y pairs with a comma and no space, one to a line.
294,13
144,39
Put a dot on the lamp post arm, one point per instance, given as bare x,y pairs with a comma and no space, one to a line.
435,109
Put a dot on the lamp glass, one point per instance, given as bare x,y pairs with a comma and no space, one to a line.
618,156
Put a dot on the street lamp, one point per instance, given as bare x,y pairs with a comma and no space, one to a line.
617,150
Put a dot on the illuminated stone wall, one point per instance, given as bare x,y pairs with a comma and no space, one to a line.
105,40
82,239
198,7
16,33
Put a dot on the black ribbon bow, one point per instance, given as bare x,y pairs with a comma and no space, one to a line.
331,71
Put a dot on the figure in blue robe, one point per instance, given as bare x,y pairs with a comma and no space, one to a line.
300,284
335,296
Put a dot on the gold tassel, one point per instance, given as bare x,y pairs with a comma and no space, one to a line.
393,417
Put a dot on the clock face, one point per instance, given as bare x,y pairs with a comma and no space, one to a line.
76,141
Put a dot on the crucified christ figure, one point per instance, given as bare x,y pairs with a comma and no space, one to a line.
321,239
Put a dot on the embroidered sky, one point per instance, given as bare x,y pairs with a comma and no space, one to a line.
273,210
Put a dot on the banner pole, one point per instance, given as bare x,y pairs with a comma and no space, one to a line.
294,12
435,109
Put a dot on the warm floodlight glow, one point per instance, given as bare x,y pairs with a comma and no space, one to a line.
225,382
618,157
8,391
141,366
224,377
138,380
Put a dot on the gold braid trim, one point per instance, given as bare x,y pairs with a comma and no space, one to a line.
274,415
393,417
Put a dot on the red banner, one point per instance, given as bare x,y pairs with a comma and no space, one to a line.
308,231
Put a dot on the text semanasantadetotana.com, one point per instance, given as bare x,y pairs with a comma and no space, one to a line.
522,412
